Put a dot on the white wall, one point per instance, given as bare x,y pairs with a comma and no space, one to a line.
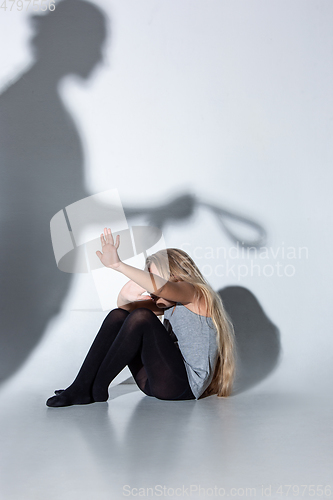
231,101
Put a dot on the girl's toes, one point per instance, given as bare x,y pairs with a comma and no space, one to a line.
56,401
52,402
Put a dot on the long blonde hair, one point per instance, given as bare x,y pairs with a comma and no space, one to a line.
174,264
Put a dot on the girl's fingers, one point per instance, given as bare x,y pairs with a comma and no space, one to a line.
110,236
107,237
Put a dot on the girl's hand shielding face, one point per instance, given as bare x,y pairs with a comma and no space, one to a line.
133,292
109,255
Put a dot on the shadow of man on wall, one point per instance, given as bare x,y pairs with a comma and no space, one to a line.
41,162
42,171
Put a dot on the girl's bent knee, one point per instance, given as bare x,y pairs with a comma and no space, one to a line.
116,314
142,313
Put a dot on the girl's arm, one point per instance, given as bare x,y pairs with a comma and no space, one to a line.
179,291
131,292
130,297
147,304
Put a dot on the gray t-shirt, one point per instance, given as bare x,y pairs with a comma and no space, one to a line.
196,336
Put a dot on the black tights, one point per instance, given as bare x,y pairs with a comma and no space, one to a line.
140,341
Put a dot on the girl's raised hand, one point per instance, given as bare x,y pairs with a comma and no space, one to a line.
109,256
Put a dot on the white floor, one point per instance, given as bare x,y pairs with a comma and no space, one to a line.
253,444
185,449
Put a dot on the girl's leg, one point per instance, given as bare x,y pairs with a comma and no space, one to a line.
79,392
163,371
143,344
